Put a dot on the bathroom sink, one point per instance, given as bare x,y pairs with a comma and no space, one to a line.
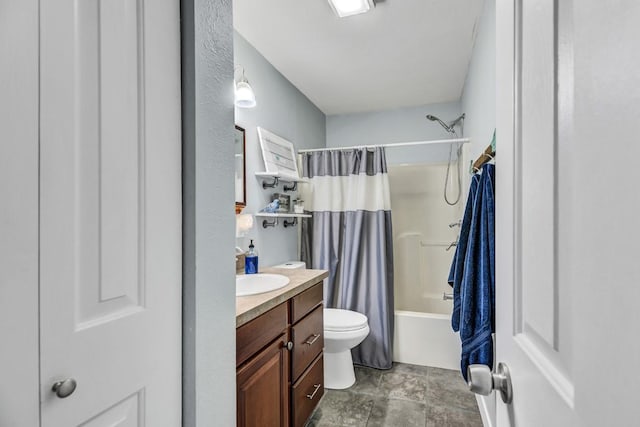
251,284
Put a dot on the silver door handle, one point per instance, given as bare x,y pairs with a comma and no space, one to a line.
64,388
482,381
446,296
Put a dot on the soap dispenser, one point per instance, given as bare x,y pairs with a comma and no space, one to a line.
251,260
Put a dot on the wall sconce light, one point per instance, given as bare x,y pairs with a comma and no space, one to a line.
244,96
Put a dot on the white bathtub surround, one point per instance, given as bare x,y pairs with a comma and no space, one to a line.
423,333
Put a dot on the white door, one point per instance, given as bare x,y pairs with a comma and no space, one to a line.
567,284
110,212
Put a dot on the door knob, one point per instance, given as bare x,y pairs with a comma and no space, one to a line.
482,381
64,388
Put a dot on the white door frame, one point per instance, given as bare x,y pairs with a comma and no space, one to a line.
19,404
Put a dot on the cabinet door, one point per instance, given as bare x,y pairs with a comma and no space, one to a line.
262,387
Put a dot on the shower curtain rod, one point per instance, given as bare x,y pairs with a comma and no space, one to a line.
399,144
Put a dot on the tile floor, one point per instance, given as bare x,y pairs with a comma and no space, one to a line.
403,396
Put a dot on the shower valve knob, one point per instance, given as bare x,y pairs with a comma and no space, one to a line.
482,381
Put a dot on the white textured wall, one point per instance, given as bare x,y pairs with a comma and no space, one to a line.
209,223
282,109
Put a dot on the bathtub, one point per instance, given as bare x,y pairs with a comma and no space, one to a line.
427,338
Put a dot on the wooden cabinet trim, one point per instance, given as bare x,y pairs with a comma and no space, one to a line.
255,335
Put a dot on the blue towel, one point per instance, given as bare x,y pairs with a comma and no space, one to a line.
457,265
477,289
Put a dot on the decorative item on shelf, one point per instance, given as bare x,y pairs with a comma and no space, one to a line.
284,202
298,206
244,96
279,156
271,207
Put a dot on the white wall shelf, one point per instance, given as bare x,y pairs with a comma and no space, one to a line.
277,177
275,216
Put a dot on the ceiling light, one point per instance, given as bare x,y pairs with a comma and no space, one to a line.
244,96
344,8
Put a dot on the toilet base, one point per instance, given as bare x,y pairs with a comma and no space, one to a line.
338,370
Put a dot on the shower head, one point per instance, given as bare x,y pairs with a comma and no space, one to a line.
443,124
448,127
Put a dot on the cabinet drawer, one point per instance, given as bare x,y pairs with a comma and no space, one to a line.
302,303
307,392
259,332
308,341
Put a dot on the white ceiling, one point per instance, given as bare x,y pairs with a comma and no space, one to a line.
403,53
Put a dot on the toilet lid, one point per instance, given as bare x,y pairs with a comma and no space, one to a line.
343,320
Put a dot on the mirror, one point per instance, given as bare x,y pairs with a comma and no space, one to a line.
240,166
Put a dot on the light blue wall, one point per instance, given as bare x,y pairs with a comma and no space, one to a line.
209,315
392,126
479,94
284,110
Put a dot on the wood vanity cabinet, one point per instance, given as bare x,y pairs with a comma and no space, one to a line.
279,370
262,370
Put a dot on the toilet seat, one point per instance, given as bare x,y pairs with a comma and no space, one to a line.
338,320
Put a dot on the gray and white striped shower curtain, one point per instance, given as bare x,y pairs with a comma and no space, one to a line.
350,235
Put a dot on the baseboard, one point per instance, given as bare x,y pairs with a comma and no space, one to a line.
487,407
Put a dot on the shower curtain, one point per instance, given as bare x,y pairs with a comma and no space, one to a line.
350,235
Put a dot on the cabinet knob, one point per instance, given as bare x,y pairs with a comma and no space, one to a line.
64,388
288,345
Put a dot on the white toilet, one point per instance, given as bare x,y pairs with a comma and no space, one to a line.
343,330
